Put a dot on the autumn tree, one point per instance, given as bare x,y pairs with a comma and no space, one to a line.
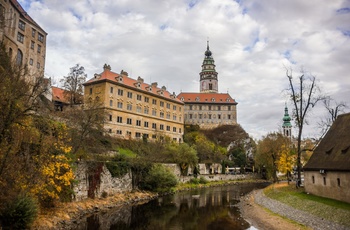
304,95
183,155
269,151
73,84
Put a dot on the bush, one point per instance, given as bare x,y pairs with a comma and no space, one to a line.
194,181
159,179
202,180
20,213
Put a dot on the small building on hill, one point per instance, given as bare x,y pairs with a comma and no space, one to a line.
327,173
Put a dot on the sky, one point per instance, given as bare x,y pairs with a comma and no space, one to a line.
253,42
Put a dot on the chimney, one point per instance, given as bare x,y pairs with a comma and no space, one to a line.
140,79
163,88
154,85
107,67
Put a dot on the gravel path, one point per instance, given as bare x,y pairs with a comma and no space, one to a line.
291,213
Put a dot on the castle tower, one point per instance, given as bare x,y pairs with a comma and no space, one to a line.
208,75
287,126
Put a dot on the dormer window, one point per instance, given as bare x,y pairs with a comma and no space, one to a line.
213,99
343,151
138,84
182,98
197,98
119,78
228,99
329,151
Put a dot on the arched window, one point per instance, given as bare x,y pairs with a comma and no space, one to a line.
19,57
210,86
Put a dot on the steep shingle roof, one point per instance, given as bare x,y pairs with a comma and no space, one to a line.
58,95
210,98
333,152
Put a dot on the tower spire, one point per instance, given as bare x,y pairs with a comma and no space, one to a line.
208,75
287,126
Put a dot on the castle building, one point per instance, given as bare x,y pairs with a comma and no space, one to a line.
24,39
287,126
136,109
208,108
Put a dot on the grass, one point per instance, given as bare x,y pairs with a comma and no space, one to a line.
332,210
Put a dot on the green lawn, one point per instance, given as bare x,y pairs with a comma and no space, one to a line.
329,209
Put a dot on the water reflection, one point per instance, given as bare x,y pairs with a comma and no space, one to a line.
209,208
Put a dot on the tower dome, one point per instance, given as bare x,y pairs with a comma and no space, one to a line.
287,126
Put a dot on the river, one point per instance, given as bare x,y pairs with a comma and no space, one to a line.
206,208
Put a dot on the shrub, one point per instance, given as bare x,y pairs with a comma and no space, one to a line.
20,213
159,179
194,181
202,180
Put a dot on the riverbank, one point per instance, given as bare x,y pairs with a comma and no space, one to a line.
66,214
263,212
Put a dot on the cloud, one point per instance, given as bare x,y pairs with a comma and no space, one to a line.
164,41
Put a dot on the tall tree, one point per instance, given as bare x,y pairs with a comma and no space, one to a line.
73,84
304,94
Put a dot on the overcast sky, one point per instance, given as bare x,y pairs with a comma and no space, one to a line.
164,41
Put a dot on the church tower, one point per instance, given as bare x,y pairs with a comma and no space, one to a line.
287,126
208,76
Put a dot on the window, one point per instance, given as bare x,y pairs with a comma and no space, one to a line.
338,182
219,107
39,48
161,114
168,116
128,133
21,25
138,97
120,105
219,116
33,32
138,122
119,119
32,44
119,132
129,94
120,92
90,91
191,107
129,121
200,116
174,107
179,130
146,99
190,116
174,129
229,116
174,117
138,109
324,180
167,128
38,65
209,107
228,107
110,130
154,125
146,110
209,116
40,37
110,103
161,127
110,117
20,37
145,124
313,179
200,107
138,135
154,101
154,112
180,109
167,105
111,90
31,61
129,107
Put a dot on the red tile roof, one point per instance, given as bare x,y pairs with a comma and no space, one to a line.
58,95
113,77
212,98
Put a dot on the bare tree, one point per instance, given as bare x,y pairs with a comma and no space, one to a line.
333,108
73,84
304,94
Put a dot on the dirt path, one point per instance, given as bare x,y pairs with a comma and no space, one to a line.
261,218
